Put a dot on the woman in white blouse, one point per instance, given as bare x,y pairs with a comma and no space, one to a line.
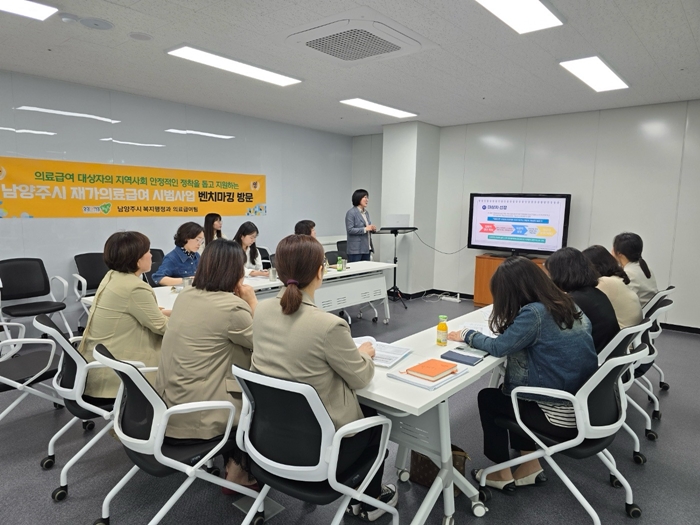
246,236
627,249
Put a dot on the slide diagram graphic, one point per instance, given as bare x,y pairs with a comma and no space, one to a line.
518,222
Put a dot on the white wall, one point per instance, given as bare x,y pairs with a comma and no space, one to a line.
633,169
308,172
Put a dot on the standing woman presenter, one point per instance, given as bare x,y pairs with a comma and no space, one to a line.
359,227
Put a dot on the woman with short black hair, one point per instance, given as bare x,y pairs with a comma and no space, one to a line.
211,329
305,227
627,249
124,316
182,261
573,273
613,282
358,227
246,236
548,343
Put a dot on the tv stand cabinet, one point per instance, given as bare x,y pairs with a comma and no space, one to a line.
484,269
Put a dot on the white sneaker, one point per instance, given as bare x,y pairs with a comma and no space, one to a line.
389,496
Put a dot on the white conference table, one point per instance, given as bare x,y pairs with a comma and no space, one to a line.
421,419
360,283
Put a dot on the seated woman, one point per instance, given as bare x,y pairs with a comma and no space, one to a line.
245,237
182,261
295,340
573,273
211,328
627,249
548,343
124,316
305,227
212,230
613,282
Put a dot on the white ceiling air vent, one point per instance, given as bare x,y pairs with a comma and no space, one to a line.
356,37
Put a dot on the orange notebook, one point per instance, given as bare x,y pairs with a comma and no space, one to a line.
432,369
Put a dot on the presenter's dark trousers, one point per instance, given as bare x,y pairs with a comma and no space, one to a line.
493,404
355,257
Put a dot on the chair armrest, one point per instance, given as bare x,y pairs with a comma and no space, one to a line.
143,368
22,328
64,285
79,279
186,408
579,413
27,341
79,389
354,428
75,339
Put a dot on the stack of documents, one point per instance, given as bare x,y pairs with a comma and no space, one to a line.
385,355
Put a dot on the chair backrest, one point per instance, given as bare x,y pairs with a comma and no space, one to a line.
286,429
342,248
23,278
603,395
71,363
265,257
157,255
149,275
661,294
654,313
332,256
138,407
272,260
92,268
623,339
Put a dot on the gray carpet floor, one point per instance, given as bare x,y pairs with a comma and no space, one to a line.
666,488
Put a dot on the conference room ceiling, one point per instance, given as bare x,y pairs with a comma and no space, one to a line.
479,69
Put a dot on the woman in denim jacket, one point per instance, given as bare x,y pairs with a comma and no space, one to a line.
548,343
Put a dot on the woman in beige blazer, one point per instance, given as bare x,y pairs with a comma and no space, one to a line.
295,340
124,316
210,329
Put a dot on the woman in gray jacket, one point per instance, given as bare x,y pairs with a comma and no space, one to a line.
358,227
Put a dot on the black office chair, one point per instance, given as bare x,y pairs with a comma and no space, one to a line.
157,255
656,330
91,271
26,278
332,256
600,410
294,446
265,257
69,383
272,260
148,276
342,249
26,372
140,421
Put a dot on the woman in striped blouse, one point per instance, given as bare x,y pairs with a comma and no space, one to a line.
548,343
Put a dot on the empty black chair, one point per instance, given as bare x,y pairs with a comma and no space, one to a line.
69,383
332,256
26,278
91,271
342,248
157,255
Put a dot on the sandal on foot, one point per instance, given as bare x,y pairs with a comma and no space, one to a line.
536,478
503,486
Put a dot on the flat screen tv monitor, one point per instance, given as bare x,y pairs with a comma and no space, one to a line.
536,223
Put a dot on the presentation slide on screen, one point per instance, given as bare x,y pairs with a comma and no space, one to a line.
520,223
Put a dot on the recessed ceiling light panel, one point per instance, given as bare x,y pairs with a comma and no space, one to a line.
110,139
378,108
594,72
29,9
232,66
29,131
524,16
